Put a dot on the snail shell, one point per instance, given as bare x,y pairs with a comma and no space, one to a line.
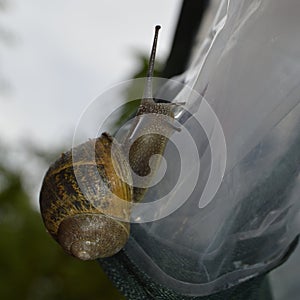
87,226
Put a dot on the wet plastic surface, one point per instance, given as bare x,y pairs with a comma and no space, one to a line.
248,71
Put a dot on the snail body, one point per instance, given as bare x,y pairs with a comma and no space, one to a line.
91,225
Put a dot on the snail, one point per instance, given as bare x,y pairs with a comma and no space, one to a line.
97,227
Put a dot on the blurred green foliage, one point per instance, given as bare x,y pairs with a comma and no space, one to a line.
32,265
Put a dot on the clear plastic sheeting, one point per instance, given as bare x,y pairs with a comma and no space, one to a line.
248,71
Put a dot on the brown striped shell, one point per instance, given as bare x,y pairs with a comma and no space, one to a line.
85,203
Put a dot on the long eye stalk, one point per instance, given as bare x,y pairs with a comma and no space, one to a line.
148,86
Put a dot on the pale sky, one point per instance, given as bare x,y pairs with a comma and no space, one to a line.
65,54
68,52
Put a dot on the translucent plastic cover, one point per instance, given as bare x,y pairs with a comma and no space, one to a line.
239,218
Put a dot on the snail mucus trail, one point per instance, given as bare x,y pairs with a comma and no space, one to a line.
89,225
